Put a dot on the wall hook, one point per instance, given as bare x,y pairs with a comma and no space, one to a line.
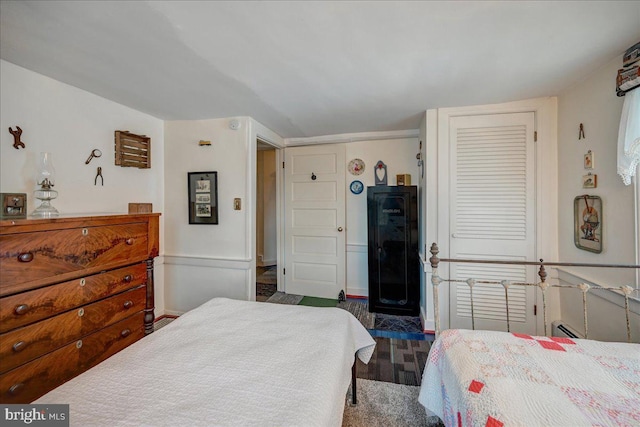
313,176
16,138
581,132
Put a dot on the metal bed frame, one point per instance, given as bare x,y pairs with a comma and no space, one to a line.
436,280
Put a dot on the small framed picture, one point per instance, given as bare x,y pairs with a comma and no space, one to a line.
203,197
590,181
588,223
588,160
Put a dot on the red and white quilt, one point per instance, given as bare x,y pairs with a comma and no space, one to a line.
487,378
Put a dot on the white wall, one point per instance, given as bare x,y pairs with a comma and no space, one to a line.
203,261
207,261
69,123
594,103
400,157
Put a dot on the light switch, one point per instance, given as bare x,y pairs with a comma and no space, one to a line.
237,204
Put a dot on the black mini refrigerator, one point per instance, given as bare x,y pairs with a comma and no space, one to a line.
394,267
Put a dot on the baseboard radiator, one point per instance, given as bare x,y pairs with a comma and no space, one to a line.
563,329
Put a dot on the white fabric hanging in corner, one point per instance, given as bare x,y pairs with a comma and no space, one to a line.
629,137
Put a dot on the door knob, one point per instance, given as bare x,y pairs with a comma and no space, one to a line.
340,229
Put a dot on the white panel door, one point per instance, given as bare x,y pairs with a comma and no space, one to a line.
315,249
492,182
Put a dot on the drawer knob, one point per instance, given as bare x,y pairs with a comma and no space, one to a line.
21,309
15,389
129,241
25,257
19,346
128,278
128,304
125,333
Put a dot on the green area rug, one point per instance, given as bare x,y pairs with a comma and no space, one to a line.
318,302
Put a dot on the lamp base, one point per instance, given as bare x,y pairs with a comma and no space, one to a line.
45,210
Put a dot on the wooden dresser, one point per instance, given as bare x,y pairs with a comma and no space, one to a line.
73,292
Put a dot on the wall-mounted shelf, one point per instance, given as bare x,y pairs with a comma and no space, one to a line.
132,150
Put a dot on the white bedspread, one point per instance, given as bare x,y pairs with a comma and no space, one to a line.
226,362
485,378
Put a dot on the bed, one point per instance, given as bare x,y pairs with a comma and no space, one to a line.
478,378
226,362
492,378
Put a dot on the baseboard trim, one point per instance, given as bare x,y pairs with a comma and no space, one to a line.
357,292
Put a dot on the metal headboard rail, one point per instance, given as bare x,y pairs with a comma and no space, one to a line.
543,285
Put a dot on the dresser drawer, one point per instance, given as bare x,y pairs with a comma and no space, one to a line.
25,344
29,307
32,259
30,381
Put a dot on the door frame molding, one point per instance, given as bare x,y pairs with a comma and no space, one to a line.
255,131
438,202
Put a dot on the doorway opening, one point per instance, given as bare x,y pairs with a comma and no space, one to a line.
266,222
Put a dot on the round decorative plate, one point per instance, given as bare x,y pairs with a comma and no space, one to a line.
356,167
356,187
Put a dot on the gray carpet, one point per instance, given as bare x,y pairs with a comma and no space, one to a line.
282,298
361,312
396,361
382,404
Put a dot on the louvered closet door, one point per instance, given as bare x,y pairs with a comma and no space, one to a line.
492,212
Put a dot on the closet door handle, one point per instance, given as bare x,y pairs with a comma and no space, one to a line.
340,229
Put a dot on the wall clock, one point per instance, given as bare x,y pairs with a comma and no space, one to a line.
356,187
356,167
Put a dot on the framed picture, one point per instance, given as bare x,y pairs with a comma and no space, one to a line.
589,181
588,160
588,223
203,197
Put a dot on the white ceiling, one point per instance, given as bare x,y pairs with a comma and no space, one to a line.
316,68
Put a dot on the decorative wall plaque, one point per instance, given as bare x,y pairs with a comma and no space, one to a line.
380,173
588,223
